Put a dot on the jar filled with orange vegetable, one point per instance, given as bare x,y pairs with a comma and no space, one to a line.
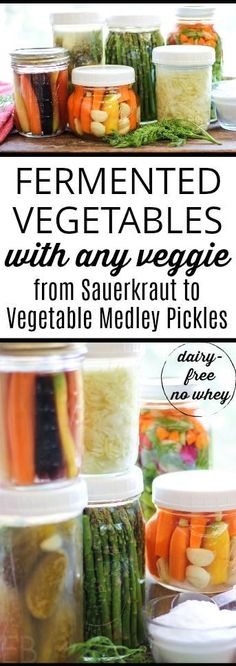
195,25
171,438
41,413
40,90
191,539
103,101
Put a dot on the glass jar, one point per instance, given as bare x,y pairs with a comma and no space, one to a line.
41,579
131,41
114,562
184,82
171,439
224,97
40,91
111,396
82,35
103,101
195,25
191,540
41,413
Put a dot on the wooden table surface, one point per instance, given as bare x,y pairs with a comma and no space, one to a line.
68,143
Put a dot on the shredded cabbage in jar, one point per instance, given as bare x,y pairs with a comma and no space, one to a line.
111,420
184,94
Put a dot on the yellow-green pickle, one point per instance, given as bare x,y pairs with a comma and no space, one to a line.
41,575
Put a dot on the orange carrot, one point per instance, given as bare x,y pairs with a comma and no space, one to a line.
62,94
202,441
98,98
197,529
230,519
165,526
162,433
78,96
174,435
178,546
124,94
191,437
31,104
150,540
133,105
85,114
21,406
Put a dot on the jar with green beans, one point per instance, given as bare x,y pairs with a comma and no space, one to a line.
131,41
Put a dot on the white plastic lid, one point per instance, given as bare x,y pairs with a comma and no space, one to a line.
184,56
134,21
113,488
103,75
76,18
41,358
113,349
151,389
192,11
203,490
42,505
225,92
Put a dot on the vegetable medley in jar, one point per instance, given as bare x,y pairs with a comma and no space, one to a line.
40,90
111,400
41,573
114,559
41,413
131,41
82,34
191,540
171,439
195,25
103,101
184,83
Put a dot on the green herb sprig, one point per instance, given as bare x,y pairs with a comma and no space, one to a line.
101,650
176,132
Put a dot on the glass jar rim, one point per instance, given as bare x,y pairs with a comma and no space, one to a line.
193,12
41,55
140,21
42,359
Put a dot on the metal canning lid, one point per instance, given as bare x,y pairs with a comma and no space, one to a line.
184,56
201,490
42,359
76,18
103,75
192,12
42,56
42,504
134,21
113,488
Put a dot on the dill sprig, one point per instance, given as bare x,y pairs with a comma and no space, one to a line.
101,650
176,132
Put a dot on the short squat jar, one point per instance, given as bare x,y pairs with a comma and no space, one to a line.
184,83
40,90
41,413
171,437
114,559
41,579
111,402
191,540
103,101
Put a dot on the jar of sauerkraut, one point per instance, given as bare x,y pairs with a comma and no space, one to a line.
111,401
184,82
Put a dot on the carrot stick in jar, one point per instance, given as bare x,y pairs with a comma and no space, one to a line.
20,417
165,527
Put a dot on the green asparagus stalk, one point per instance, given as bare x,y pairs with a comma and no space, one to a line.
99,570
136,591
89,581
125,589
116,608
103,516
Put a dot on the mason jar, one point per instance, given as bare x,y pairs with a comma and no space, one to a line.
131,40
40,90
81,33
111,400
41,582
191,539
114,558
